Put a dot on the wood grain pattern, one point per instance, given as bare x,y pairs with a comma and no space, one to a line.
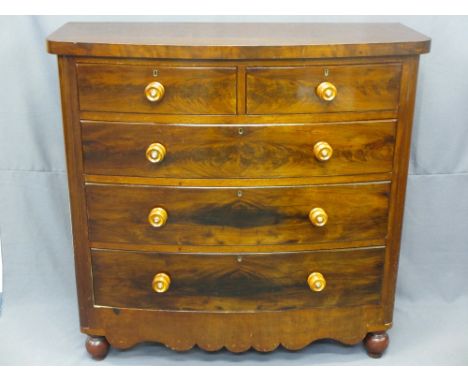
219,216
236,40
237,283
237,151
189,90
292,89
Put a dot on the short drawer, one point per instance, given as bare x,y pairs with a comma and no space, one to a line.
135,89
354,88
249,282
237,151
246,216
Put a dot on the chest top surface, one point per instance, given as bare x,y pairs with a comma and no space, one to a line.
236,40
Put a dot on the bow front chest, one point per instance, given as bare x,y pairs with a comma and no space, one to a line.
236,185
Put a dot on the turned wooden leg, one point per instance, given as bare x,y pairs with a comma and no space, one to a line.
376,343
98,347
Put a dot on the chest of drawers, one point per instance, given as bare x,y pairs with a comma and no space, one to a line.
236,185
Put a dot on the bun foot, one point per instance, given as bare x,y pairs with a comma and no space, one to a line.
376,343
97,347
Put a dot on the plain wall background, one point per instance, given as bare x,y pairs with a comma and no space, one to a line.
39,319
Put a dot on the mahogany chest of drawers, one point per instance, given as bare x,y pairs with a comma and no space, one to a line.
236,185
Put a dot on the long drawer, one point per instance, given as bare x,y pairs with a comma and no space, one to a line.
250,216
237,151
252,282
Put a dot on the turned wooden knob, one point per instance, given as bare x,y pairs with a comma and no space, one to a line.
157,217
161,282
326,91
154,91
323,151
318,217
155,152
316,282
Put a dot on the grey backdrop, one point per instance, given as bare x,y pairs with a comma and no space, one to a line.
39,318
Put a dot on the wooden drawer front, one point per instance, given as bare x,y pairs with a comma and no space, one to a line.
236,151
188,90
360,88
251,282
237,216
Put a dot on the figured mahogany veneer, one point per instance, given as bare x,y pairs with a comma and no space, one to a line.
190,90
237,185
281,90
237,216
238,283
238,150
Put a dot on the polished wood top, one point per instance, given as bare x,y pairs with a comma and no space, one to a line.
236,40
